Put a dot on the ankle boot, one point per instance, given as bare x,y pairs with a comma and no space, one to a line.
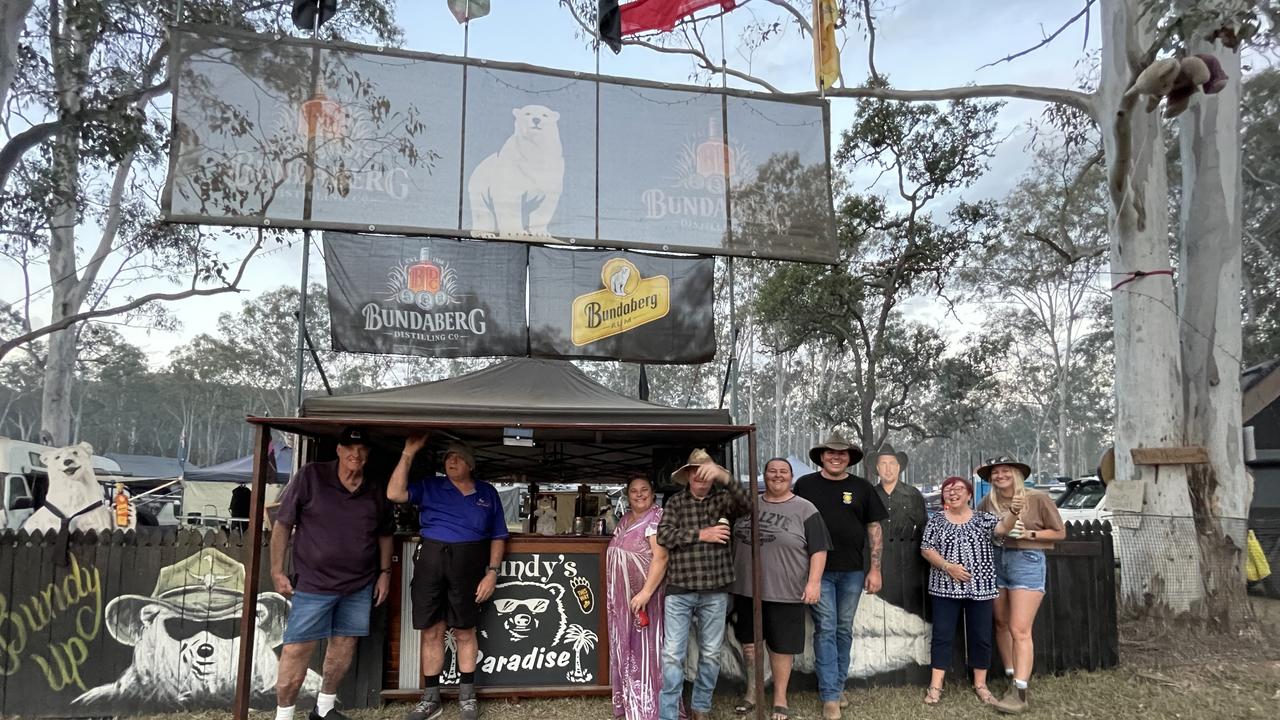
1014,701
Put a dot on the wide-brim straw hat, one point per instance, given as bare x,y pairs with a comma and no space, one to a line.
984,471
887,449
835,442
696,458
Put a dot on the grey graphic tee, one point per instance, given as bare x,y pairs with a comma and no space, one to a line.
790,531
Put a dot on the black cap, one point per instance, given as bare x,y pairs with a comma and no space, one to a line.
352,436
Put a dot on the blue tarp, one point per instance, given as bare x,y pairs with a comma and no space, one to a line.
240,470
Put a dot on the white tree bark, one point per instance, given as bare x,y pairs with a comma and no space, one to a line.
13,18
1209,296
1149,398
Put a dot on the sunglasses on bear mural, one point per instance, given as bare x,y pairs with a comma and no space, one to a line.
180,628
535,606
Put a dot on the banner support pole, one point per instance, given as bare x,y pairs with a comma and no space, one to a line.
306,215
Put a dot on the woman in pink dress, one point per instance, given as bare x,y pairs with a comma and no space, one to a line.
635,566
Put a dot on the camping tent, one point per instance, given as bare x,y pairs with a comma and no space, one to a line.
582,431
206,492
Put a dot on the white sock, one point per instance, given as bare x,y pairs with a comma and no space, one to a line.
1008,672
284,713
325,703
1020,684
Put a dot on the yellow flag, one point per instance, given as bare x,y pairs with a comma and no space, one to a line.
826,54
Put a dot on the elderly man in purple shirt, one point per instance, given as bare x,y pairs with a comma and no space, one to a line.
340,524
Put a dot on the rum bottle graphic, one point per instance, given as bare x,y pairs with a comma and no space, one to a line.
424,275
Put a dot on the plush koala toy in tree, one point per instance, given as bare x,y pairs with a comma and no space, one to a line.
1177,81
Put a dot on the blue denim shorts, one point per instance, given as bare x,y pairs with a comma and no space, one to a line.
1020,569
316,617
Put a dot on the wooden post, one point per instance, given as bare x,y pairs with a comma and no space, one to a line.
249,612
757,622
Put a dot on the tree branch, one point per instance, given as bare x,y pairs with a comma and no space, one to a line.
61,324
799,16
1074,19
871,42
1081,101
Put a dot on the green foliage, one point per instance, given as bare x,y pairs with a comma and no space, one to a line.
1260,165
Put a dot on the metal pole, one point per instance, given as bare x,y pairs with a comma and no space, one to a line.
300,364
757,627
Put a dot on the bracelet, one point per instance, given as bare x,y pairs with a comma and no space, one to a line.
386,570
405,454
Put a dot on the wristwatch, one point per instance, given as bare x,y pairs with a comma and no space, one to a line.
386,570
493,569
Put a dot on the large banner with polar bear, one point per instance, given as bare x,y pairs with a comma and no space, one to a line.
426,296
626,305
286,132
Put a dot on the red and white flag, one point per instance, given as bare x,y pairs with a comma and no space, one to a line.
643,15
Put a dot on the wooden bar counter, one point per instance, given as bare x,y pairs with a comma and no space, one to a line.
543,633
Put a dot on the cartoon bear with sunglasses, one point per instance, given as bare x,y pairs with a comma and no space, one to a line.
186,639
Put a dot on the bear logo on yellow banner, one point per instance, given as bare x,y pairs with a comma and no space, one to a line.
626,302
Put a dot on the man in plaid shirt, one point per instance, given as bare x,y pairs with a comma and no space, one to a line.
699,572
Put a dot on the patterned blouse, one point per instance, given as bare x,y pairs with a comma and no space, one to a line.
968,544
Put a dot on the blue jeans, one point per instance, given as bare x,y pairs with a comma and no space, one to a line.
316,617
708,610
833,630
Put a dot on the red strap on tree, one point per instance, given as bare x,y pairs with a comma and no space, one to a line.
1137,274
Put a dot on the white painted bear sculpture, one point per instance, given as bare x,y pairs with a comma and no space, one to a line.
74,498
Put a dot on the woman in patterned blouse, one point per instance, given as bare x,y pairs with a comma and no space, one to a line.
957,543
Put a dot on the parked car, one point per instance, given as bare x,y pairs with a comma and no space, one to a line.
1084,500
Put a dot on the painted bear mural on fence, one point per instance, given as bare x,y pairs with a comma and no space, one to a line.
186,639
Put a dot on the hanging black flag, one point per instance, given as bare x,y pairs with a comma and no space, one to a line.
304,13
644,382
610,24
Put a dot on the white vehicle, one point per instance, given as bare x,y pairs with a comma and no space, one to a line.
1084,500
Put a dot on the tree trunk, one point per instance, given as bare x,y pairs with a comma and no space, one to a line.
1148,378
13,18
1209,296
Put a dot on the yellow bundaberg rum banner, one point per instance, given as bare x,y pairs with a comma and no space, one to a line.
626,301
826,54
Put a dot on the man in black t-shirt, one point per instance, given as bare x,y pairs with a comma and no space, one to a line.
852,513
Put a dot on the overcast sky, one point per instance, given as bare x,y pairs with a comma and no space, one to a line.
920,44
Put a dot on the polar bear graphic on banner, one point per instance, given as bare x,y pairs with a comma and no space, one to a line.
525,177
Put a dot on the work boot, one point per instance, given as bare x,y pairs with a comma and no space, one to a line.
831,710
844,699
426,709
1014,701
469,709
333,714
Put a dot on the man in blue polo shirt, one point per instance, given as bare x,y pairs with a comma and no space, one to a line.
464,536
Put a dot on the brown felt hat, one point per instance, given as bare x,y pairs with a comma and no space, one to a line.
984,471
696,458
835,442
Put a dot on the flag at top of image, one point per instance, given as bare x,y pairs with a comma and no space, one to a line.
467,10
618,19
826,53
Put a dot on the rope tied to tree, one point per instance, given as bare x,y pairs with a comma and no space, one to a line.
1139,274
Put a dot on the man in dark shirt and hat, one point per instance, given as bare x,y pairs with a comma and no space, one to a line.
340,525
903,501
852,512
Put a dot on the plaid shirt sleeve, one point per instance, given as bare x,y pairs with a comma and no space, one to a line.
694,564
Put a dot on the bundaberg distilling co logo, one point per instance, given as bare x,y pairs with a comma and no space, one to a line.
626,302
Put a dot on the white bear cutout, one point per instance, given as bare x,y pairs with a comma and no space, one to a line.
526,175
74,493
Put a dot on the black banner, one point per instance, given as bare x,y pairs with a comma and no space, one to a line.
620,305
542,627
426,296
285,132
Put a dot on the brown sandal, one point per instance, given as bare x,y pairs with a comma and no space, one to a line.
984,695
932,695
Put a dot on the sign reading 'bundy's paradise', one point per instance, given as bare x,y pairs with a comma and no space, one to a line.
426,296
622,305
285,132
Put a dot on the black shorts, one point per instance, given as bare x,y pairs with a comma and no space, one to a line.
783,624
445,578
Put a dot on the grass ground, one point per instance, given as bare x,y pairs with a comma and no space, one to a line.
1163,674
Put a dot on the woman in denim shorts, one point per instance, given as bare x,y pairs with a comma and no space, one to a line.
1020,567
